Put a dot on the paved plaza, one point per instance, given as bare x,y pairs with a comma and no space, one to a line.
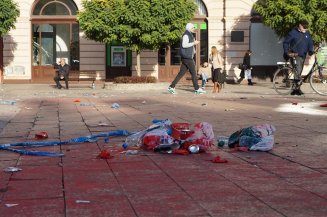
290,180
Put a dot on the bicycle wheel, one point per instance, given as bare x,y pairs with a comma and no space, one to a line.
318,81
283,80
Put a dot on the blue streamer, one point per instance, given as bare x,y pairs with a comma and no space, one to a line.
82,139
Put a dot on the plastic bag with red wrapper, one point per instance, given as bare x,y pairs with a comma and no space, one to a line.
201,134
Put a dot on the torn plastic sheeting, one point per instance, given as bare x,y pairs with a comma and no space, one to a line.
82,139
256,138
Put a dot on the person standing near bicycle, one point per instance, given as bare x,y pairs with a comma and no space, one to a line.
297,44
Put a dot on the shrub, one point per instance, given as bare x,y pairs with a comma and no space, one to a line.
135,79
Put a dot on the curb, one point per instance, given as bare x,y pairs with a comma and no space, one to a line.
141,86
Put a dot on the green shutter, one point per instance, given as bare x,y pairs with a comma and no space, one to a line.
108,55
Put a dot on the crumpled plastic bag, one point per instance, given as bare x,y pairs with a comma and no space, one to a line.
157,137
203,136
258,137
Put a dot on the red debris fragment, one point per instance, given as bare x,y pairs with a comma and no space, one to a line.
41,135
219,160
180,151
77,100
104,154
323,105
294,103
242,149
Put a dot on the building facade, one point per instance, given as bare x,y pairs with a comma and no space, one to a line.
47,30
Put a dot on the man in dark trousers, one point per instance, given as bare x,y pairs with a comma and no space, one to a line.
297,44
187,52
62,73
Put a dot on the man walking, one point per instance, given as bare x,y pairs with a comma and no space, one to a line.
296,45
187,51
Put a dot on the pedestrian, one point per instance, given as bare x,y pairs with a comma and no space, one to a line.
62,70
247,67
205,73
218,78
187,51
297,44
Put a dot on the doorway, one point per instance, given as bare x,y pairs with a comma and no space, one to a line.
55,35
52,41
169,58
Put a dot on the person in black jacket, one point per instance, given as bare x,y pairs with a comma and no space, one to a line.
62,70
297,44
247,66
187,52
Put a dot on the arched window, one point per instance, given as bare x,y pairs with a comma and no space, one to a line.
202,9
55,7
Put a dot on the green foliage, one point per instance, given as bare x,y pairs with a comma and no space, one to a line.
283,15
136,24
135,79
9,12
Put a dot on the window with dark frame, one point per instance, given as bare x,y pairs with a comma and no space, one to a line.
237,36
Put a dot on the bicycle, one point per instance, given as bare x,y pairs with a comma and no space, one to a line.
284,81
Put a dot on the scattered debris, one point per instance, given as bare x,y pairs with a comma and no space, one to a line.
254,138
81,139
83,201
12,169
87,104
132,152
222,141
11,204
41,135
102,124
7,102
194,149
219,160
115,106
104,154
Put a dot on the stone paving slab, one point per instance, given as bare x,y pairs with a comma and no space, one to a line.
290,180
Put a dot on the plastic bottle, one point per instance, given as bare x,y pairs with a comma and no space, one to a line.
86,104
93,86
132,152
222,141
7,102
134,139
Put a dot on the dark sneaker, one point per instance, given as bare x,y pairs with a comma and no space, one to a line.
297,92
300,92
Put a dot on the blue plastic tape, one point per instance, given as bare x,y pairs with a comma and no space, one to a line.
82,139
